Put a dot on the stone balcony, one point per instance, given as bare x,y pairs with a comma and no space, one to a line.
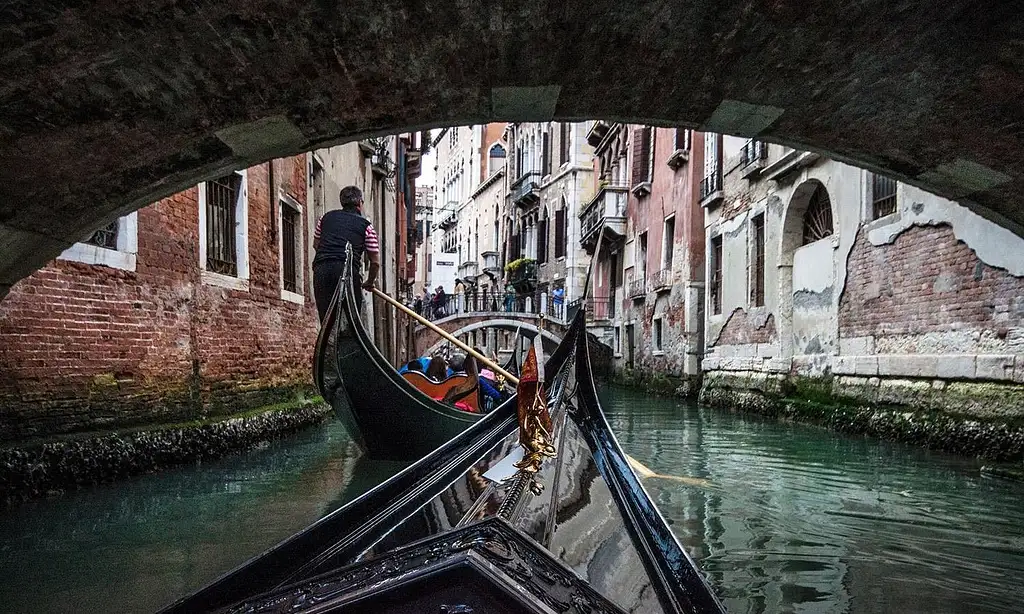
661,281
605,213
636,289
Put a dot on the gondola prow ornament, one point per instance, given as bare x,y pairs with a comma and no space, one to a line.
534,418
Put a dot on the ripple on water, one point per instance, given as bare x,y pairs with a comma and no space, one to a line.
797,519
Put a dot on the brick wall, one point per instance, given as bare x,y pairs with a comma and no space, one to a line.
86,347
745,327
927,292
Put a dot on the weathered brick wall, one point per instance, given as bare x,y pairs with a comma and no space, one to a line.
87,347
742,327
929,293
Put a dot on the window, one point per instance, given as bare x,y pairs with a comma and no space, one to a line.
560,238
495,158
116,245
682,139
564,152
656,333
291,250
715,281
641,256
316,188
712,181
105,237
643,149
223,231
618,341
757,262
545,156
818,217
542,240
668,242
883,196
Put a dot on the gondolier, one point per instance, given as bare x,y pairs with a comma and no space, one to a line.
335,231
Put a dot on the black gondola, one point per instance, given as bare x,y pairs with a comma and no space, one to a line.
580,535
386,415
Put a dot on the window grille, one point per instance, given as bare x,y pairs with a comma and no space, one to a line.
818,217
757,274
715,285
105,237
289,241
883,196
221,200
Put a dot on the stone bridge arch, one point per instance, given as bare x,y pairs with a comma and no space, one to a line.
97,123
427,340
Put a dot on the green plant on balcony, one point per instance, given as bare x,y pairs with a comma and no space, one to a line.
522,274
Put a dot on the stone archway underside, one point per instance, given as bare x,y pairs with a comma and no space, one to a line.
107,107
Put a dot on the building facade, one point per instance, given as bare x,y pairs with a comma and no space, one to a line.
647,301
195,306
550,176
867,288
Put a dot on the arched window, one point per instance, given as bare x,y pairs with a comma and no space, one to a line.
818,217
497,151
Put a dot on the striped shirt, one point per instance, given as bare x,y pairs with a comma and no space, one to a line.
372,244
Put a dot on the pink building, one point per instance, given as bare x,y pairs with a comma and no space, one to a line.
648,291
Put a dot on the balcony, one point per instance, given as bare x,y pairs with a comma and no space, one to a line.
526,190
522,274
637,288
661,281
597,132
490,261
753,158
711,189
449,221
605,213
468,269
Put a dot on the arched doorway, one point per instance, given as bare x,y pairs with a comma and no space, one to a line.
807,324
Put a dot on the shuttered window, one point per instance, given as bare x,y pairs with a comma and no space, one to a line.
546,154
642,142
289,243
563,154
542,241
715,283
883,196
560,233
757,260
683,139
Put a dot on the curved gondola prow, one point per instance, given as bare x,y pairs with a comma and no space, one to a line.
678,582
321,354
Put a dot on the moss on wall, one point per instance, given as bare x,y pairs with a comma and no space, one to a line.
32,469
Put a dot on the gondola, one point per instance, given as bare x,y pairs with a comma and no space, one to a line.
385,414
464,531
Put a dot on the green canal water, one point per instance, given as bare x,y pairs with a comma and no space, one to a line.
782,518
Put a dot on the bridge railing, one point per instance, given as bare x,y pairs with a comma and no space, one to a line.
488,300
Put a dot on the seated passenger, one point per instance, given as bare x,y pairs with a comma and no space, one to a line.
418,364
488,393
457,364
437,368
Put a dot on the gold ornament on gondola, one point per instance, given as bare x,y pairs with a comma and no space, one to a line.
534,422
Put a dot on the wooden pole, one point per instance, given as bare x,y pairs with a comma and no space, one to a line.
444,334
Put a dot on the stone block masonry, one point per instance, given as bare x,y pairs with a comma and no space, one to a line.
89,347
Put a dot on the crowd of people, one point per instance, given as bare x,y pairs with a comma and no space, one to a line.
440,304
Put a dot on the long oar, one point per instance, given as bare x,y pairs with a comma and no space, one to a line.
445,335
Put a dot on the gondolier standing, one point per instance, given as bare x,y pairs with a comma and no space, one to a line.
334,232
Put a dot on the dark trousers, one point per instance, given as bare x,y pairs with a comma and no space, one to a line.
325,281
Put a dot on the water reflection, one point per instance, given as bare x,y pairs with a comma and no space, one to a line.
796,519
791,519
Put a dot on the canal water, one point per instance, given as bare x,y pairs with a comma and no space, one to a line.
782,517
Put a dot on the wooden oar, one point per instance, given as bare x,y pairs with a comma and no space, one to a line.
445,335
644,472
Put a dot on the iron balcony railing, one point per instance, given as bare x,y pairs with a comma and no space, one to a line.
752,152
609,205
524,189
711,184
